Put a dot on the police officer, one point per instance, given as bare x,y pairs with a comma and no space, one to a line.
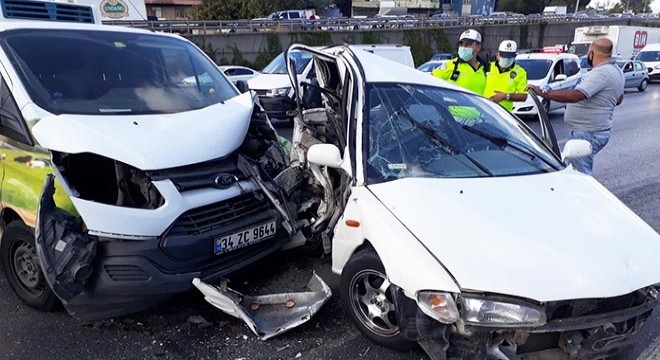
466,70
506,81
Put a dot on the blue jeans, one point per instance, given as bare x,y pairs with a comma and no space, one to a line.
598,140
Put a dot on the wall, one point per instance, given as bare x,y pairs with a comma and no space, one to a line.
256,49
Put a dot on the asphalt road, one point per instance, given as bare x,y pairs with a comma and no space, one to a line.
628,166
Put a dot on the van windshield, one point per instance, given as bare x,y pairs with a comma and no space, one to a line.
648,56
536,69
278,66
113,73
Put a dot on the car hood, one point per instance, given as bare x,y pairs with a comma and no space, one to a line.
151,142
548,237
269,81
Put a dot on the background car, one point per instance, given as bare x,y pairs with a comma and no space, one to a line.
650,56
637,75
442,56
548,69
235,73
428,66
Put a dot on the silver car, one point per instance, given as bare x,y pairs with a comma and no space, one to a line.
637,75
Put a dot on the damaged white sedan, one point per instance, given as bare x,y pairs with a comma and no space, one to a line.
454,226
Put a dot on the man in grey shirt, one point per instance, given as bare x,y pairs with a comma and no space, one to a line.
590,107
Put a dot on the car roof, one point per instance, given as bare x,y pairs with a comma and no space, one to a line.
52,25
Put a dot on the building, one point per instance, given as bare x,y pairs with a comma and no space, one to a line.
170,9
472,7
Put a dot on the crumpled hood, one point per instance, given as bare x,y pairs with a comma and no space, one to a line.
548,237
269,81
151,142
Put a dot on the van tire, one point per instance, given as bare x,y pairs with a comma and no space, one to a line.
365,266
19,259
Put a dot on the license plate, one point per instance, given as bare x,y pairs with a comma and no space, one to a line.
244,237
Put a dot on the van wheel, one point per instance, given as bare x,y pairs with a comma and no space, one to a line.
366,294
642,86
19,258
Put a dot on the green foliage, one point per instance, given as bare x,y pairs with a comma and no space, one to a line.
313,38
371,37
637,6
241,9
421,43
537,6
273,48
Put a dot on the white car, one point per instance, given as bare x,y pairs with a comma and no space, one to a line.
235,73
431,65
650,56
454,226
557,71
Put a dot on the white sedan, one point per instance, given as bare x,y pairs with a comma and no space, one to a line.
235,73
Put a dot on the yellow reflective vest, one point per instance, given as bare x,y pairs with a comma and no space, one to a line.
512,81
466,76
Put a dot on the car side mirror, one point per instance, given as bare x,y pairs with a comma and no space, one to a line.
576,148
324,155
242,86
561,77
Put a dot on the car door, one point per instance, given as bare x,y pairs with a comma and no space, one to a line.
629,74
641,69
572,72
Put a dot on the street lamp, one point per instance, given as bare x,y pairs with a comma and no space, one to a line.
577,5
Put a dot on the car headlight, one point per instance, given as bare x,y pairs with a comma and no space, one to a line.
278,92
438,305
657,66
479,311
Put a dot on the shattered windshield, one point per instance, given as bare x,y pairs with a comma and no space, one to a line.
424,131
278,66
113,73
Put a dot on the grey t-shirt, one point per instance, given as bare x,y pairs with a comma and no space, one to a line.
602,87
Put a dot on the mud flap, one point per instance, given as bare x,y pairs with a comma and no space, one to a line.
64,250
268,315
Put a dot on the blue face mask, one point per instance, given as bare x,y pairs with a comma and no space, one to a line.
465,53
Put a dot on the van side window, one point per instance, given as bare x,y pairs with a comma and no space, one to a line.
11,120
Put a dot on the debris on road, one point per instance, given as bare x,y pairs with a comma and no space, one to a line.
199,321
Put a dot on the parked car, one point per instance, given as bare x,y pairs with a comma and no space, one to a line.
430,65
441,200
556,70
650,56
637,75
235,73
442,56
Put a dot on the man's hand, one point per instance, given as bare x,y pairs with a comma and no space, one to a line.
499,96
537,90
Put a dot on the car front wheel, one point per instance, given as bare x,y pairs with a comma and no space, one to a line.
367,295
642,86
21,265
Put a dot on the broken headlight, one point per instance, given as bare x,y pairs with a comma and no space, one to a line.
100,179
481,311
278,92
438,305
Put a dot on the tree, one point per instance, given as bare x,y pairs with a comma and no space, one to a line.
537,6
241,9
637,6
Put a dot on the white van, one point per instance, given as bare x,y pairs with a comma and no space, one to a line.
650,56
274,87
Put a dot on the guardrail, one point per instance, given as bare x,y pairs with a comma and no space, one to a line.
342,24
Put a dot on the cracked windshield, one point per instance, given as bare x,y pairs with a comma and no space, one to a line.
420,131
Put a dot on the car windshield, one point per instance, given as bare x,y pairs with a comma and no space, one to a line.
536,69
278,66
649,56
429,66
103,72
425,131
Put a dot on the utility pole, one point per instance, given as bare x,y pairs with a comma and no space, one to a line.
577,5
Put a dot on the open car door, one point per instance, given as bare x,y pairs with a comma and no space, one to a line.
547,131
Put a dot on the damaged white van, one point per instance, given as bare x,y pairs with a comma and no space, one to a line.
151,169
454,226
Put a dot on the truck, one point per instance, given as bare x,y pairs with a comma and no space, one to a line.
554,10
627,40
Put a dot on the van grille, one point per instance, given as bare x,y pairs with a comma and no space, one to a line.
126,273
196,176
46,11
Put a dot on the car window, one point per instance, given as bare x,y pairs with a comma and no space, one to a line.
240,71
639,66
230,72
649,56
558,69
294,15
113,73
571,67
278,66
536,68
424,131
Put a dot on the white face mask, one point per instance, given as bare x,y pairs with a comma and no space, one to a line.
505,63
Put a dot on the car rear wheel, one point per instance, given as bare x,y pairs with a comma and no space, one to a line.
642,86
367,295
19,258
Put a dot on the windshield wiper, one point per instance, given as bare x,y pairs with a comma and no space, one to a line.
431,134
503,142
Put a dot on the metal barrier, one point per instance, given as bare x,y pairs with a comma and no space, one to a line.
345,24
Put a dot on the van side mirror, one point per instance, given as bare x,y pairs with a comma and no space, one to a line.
560,77
324,155
242,86
576,148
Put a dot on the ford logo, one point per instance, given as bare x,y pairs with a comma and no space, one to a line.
224,181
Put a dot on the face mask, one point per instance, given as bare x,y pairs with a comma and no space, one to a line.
505,63
590,60
465,53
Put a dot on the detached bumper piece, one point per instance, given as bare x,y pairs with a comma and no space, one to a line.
268,315
65,252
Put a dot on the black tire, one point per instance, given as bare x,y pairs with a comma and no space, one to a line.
643,85
21,265
365,267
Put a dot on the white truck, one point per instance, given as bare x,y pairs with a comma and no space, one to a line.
554,10
628,40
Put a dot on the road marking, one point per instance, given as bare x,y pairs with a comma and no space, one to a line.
652,352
